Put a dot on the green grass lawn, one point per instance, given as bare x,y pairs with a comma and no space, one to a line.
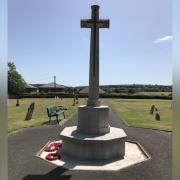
153,93
135,112
16,115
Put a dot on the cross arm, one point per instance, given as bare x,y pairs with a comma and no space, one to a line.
87,23
103,23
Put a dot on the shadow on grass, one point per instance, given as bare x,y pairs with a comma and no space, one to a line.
55,174
52,122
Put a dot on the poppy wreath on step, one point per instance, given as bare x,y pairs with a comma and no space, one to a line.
52,156
52,147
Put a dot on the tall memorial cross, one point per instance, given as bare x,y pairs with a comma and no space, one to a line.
94,23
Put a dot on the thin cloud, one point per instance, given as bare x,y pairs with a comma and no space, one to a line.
163,39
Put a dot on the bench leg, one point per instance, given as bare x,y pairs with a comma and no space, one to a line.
49,119
57,119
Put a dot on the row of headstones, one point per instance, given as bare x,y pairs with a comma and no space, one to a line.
75,99
154,109
31,109
57,97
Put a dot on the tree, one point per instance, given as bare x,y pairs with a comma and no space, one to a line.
16,84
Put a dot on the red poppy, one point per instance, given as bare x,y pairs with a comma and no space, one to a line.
53,147
58,144
52,156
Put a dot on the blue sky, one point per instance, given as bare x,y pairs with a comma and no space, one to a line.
45,39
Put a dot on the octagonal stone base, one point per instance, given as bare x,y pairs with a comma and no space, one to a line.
134,154
92,147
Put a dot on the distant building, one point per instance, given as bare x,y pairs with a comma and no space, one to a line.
52,87
30,88
86,91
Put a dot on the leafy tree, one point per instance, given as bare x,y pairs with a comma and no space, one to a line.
16,83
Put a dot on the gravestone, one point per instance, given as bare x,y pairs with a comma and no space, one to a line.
152,109
77,99
157,116
17,101
74,100
30,111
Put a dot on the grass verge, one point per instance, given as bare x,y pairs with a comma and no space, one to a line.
135,112
16,115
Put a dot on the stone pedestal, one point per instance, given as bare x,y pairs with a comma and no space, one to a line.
82,146
93,120
93,138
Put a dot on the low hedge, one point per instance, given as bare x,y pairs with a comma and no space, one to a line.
68,95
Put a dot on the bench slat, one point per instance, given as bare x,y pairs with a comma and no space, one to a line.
54,111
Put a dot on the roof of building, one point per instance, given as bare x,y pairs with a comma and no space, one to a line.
86,91
37,85
52,85
30,86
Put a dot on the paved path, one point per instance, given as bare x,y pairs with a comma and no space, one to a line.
23,165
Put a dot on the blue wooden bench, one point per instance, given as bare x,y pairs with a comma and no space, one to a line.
55,111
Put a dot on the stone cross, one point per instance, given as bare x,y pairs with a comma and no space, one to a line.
94,23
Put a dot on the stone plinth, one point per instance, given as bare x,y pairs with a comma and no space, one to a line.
92,147
93,119
134,154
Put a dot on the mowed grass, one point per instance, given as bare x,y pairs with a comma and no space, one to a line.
135,112
16,115
153,93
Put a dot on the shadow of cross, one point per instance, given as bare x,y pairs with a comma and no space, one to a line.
55,174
